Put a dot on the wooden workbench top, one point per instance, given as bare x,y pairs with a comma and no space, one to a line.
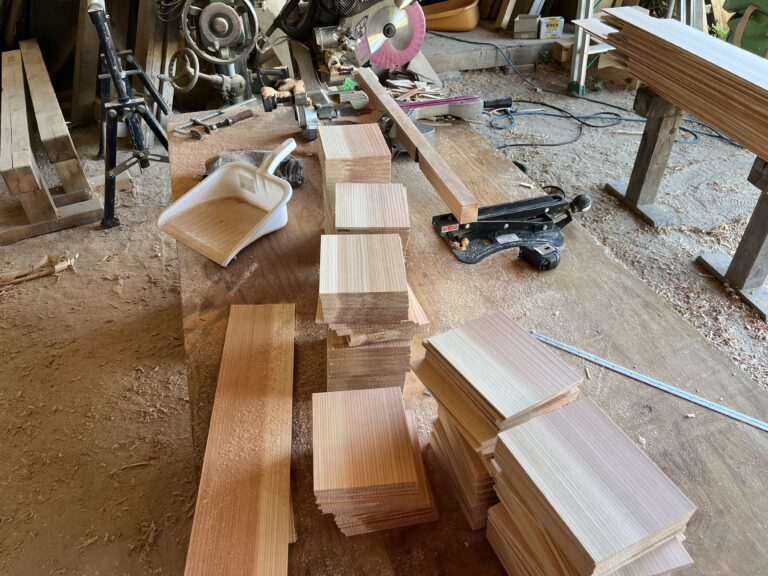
588,301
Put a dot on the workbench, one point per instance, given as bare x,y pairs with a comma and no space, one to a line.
589,301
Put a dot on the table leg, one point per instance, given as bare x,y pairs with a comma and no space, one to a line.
663,120
747,271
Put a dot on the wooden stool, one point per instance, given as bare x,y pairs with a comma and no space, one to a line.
662,121
747,271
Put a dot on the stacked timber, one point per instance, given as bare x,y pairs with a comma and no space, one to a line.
370,312
351,153
698,73
368,470
487,376
362,208
577,497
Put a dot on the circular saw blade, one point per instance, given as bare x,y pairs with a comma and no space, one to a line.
395,35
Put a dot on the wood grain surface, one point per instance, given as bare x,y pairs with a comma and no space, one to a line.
589,301
242,522
599,497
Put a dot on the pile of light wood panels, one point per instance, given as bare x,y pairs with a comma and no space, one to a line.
370,311
472,482
487,376
368,470
372,209
490,374
577,497
698,73
351,153
243,519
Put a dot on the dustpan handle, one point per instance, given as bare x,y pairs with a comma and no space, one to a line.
279,154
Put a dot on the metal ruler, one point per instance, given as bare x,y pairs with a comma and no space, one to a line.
655,383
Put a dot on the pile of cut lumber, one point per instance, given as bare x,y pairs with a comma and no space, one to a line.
371,209
370,312
368,470
487,376
578,497
364,299
351,153
721,84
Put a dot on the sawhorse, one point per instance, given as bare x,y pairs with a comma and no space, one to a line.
747,271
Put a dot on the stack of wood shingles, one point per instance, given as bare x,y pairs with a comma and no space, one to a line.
364,298
368,470
699,73
578,497
487,376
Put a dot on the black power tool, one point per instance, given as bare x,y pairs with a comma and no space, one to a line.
534,226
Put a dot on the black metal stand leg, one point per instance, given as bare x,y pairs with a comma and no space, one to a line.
156,128
747,271
110,161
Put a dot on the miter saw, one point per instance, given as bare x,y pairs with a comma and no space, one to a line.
330,39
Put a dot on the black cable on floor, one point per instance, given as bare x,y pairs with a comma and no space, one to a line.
708,131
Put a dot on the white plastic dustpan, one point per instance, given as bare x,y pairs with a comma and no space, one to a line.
231,208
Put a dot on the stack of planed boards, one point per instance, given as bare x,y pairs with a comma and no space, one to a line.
576,496
698,73
368,470
487,376
364,299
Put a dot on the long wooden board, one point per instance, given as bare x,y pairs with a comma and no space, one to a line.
51,126
460,201
242,521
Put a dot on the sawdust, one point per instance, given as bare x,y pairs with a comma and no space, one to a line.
705,186
95,464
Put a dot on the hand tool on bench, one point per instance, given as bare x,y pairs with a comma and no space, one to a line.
213,126
534,226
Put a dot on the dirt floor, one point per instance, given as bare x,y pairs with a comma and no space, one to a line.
96,474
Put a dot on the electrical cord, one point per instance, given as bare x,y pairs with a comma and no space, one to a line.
618,119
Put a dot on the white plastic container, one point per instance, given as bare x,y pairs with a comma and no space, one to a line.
231,208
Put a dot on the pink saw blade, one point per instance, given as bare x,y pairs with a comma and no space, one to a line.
388,56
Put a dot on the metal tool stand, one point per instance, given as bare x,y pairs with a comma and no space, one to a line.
662,121
747,271
127,107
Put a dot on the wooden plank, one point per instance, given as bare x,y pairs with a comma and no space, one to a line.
449,187
15,225
86,67
362,208
599,497
51,126
711,458
505,15
242,517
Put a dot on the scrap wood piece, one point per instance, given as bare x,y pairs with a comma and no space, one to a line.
449,187
47,266
242,522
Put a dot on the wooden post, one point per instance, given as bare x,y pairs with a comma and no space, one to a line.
747,271
662,122
86,67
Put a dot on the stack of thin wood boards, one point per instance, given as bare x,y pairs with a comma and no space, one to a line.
243,519
354,153
487,376
368,470
723,85
370,311
380,208
577,497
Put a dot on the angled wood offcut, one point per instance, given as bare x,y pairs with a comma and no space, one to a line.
460,201
242,523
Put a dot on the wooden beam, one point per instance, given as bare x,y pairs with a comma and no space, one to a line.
86,68
449,187
243,514
51,126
